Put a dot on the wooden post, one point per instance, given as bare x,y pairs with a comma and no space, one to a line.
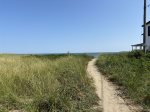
144,27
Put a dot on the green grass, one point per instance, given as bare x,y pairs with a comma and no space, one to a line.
131,71
49,83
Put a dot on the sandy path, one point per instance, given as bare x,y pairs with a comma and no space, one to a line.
106,91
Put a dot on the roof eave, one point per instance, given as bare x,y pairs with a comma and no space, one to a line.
146,23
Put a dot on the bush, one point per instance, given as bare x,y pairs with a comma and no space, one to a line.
136,54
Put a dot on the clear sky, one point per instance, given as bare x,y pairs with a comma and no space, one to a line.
55,26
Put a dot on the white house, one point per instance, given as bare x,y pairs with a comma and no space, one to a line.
147,43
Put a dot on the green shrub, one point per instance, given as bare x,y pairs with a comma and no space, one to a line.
136,54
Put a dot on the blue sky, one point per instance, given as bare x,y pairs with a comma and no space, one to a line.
55,26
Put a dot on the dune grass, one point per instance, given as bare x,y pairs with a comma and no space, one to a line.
131,71
45,84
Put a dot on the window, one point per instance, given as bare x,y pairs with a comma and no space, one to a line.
148,30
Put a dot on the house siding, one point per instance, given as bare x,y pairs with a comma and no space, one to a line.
147,38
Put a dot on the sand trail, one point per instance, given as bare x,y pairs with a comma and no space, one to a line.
110,100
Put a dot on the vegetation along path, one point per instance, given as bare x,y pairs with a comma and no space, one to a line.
107,92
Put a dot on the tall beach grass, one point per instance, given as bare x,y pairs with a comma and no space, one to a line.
45,84
131,71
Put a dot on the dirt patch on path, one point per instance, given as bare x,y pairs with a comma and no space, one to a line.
107,92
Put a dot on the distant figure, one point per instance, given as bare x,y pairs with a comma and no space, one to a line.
68,53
